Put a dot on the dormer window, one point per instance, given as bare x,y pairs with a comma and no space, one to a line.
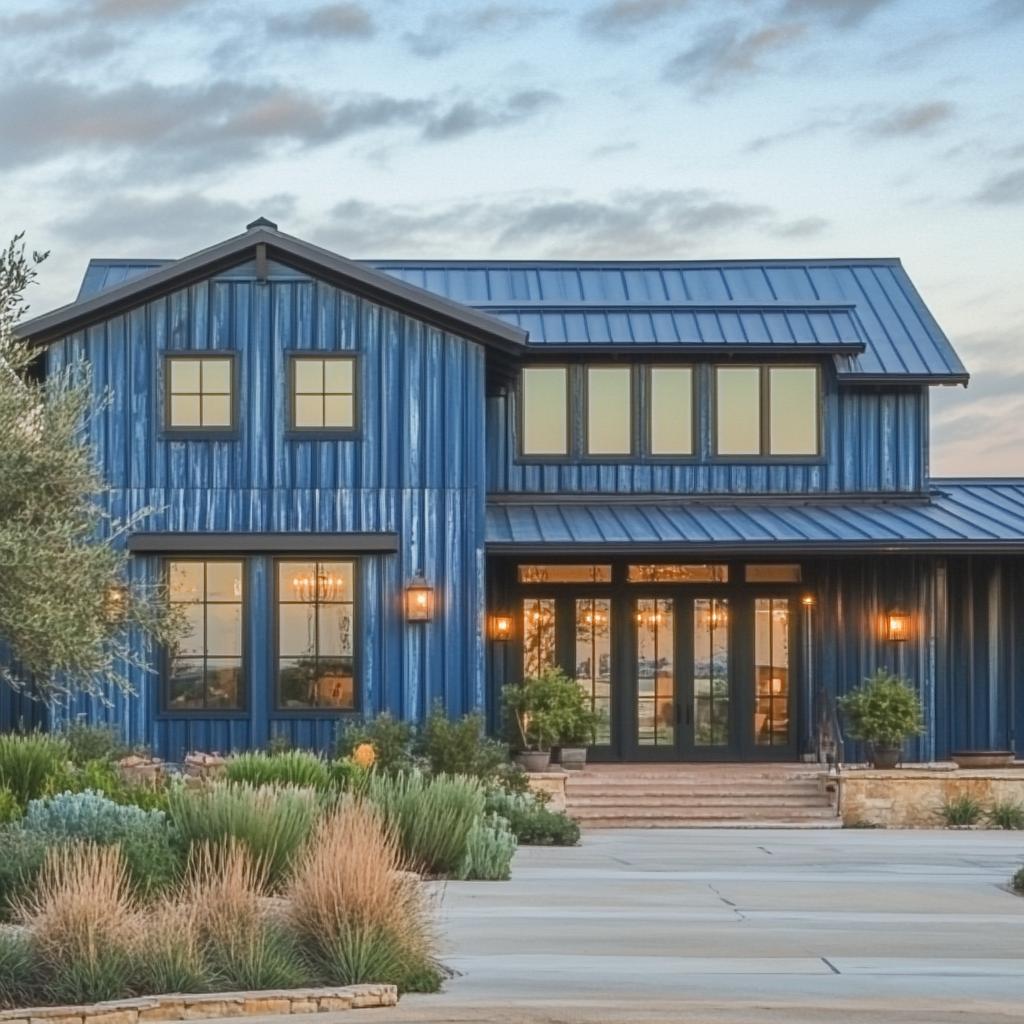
609,410
323,393
545,422
200,393
767,411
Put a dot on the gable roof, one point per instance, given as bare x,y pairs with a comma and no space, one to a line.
142,280
866,313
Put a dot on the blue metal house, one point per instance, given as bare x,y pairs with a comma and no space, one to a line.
700,488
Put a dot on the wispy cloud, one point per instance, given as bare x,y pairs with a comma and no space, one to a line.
624,16
844,13
1003,189
329,21
442,33
915,119
469,116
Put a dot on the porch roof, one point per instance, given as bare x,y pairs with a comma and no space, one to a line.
956,516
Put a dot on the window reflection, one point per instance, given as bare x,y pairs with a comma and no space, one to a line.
538,636
710,672
656,672
545,418
199,392
738,410
315,647
671,410
793,410
594,659
771,665
323,392
609,410
205,665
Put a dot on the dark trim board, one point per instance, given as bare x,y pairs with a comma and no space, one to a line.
263,543
760,548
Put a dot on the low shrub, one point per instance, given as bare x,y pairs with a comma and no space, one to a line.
145,837
83,925
961,810
1017,882
10,809
21,859
28,760
245,947
16,968
104,777
272,822
461,747
390,738
170,953
1008,814
431,817
94,742
356,913
288,768
531,822
489,851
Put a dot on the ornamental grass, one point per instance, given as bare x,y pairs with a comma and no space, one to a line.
358,915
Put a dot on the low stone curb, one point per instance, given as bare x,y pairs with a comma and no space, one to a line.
208,1005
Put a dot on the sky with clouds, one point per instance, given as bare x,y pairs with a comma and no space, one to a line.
581,128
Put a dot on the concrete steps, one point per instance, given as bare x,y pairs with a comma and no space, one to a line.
699,796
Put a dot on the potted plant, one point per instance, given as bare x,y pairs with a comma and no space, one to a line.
883,712
578,723
532,712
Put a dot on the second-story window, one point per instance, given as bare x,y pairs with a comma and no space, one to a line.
323,393
609,410
767,410
670,410
545,413
199,393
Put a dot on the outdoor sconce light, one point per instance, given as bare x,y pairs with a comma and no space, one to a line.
419,600
897,626
807,600
501,627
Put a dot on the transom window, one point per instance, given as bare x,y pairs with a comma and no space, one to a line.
199,392
565,573
323,392
767,410
205,666
315,636
677,574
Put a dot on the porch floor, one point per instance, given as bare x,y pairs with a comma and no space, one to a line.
704,795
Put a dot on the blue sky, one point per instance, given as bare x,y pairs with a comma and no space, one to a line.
596,128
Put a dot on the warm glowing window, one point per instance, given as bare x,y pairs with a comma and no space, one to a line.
316,634
677,573
199,393
784,573
545,419
609,410
565,573
323,393
204,669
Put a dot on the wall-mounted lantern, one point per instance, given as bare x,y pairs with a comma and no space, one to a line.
807,600
419,600
897,625
501,627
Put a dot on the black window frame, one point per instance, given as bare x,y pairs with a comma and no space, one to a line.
218,433
568,454
583,389
647,412
241,709
764,453
297,433
280,709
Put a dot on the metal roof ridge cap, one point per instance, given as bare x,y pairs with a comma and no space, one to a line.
476,263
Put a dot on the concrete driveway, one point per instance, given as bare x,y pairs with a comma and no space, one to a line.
739,925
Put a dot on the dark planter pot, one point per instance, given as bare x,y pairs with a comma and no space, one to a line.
534,760
885,758
574,759
983,758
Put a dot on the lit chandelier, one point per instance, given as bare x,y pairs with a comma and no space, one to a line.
321,586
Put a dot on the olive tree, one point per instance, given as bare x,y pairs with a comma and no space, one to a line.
67,607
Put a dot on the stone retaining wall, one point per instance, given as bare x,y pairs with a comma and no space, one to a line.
911,797
209,1005
553,784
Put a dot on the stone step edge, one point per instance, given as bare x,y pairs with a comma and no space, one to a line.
609,825
210,1005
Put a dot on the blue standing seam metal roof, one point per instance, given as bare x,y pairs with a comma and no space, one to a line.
866,314
958,515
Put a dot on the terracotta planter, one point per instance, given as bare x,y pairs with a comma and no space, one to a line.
983,758
885,758
534,760
574,759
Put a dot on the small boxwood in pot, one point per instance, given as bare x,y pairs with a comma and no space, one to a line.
883,712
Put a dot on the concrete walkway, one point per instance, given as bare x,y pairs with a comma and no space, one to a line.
737,926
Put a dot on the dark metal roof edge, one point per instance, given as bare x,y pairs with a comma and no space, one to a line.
809,348
852,378
767,547
666,305
374,283
280,543
853,261
978,481
591,500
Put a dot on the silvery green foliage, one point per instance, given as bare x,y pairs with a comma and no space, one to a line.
489,850
89,816
66,603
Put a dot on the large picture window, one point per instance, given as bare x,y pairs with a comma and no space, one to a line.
767,410
316,635
204,669
199,393
545,413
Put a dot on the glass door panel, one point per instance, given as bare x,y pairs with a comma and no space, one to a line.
594,659
655,672
538,635
711,689
771,668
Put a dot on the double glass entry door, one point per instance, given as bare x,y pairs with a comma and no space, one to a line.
675,676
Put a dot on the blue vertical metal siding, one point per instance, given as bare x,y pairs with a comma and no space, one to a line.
874,440
415,469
